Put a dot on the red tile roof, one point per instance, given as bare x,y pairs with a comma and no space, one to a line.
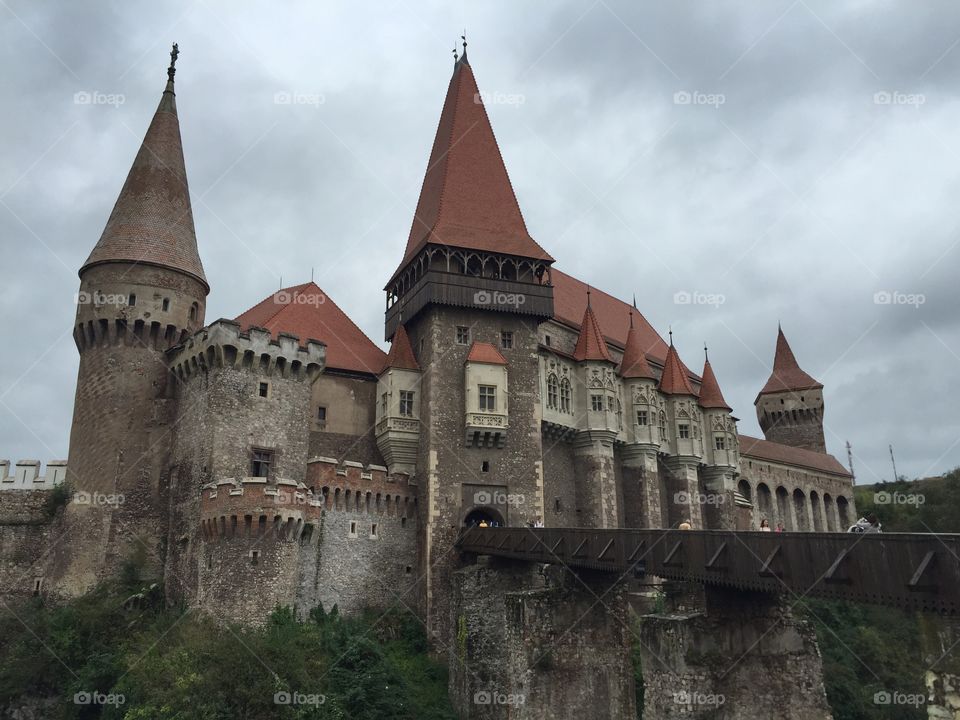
710,395
467,200
787,375
590,343
482,352
634,363
674,380
307,312
401,354
152,220
776,452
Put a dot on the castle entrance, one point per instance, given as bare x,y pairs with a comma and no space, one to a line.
483,514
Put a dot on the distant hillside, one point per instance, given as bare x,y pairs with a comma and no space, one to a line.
927,505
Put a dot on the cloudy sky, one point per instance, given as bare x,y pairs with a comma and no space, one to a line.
779,161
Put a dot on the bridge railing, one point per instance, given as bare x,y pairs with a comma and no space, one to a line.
910,571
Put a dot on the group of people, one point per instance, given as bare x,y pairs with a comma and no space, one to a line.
868,524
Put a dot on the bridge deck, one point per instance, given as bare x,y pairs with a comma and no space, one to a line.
910,571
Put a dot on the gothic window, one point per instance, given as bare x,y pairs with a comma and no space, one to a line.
463,335
565,395
663,425
194,311
641,417
596,403
683,431
406,403
720,442
488,398
260,463
506,339
552,391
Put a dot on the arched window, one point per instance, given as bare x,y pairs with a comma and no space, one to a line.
194,309
552,391
565,396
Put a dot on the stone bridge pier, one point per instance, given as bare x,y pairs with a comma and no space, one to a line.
740,656
534,642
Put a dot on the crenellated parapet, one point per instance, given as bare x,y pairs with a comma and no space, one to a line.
352,487
26,475
253,507
222,344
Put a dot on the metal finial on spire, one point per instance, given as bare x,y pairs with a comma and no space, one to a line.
174,54
456,58
634,301
670,330
706,357
588,296
631,319
464,38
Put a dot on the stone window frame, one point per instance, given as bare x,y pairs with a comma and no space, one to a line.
643,418
566,396
321,418
263,389
374,531
596,402
352,529
719,442
271,463
406,403
254,556
463,335
553,391
506,339
683,431
165,305
487,398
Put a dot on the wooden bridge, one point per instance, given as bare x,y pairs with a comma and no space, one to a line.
909,571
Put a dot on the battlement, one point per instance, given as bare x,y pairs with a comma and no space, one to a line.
254,506
222,344
26,475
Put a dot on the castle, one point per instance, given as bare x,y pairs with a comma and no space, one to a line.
282,458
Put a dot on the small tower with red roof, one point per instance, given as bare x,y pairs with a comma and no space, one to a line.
643,406
600,412
682,440
790,405
721,452
398,406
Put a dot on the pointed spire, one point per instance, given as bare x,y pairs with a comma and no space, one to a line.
466,200
674,380
710,395
590,343
401,355
152,220
787,375
634,363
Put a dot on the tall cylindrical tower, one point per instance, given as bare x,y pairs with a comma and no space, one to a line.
142,290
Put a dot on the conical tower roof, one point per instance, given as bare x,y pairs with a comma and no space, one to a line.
467,200
152,220
710,395
674,380
634,362
401,355
787,375
590,342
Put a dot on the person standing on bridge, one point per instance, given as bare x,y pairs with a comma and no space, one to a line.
764,525
685,525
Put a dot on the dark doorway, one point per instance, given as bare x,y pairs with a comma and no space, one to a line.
483,514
